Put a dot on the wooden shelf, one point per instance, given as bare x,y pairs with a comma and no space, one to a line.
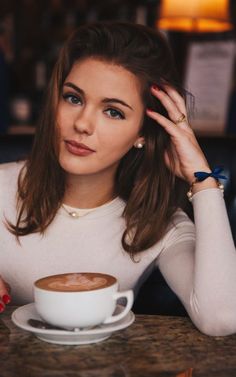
19,130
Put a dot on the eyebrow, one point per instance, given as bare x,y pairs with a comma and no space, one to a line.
105,100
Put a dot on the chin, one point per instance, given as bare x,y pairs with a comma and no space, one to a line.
73,167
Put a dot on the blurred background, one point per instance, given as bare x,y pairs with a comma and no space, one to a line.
201,34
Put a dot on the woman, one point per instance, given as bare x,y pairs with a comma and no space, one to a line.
98,190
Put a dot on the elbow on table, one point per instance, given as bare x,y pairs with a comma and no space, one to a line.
218,324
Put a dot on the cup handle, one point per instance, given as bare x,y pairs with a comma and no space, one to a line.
129,295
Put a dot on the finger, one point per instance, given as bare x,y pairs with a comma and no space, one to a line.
4,295
3,288
177,98
2,307
7,286
3,291
168,125
173,111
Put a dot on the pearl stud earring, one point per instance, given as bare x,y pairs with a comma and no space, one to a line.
139,145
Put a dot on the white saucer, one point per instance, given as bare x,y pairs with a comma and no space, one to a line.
22,314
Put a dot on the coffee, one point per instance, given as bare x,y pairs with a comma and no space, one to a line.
76,282
89,299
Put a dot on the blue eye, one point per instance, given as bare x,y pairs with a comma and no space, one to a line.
71,98
115,114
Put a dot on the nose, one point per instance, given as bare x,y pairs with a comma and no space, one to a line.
83,123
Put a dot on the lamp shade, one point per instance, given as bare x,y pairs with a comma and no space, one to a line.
195,15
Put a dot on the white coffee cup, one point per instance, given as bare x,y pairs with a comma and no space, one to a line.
79,300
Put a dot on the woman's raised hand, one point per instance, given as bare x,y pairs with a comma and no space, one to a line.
189,157
4,294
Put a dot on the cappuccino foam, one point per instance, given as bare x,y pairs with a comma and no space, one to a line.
75,282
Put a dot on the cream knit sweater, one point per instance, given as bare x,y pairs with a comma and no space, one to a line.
197,260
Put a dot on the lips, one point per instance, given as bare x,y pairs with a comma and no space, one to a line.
78,149
79,145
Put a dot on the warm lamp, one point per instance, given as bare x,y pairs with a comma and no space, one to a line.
195,15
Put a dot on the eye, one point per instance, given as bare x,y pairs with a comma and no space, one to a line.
72,98
115,114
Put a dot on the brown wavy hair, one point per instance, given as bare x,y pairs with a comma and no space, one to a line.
142,180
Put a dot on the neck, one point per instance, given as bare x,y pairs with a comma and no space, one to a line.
88,191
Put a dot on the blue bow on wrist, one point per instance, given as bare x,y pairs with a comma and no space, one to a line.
201,175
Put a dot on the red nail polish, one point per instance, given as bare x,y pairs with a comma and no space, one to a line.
1,308
6,299
149,109
155,87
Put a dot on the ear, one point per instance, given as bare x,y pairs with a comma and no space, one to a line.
140,140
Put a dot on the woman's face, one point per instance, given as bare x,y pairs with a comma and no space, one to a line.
100,108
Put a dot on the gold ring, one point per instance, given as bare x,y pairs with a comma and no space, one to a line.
182,118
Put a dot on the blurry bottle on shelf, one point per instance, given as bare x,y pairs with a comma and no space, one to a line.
92,15
124,12
141,15
111,10
4,121
20,110
41,67
146,12
7,32
40,75
231,120
6,58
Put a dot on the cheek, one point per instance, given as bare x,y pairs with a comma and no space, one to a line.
116,143
119,141
65,116
60,121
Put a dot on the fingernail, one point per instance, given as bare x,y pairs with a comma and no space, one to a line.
155,87
1,308
6,299
149,109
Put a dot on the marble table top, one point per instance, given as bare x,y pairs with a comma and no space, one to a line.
153,346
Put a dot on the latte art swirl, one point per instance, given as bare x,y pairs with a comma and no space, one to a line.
76,282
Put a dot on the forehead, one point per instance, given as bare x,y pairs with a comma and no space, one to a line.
105,79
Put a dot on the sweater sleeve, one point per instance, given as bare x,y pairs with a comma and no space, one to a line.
203,272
